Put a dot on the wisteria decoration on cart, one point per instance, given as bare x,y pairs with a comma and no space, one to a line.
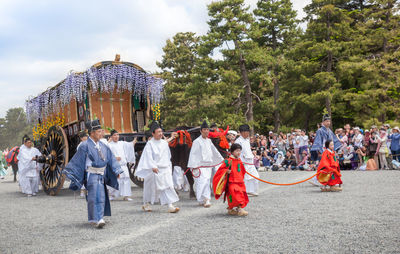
106,78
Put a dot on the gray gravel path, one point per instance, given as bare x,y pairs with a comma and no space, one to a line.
364,218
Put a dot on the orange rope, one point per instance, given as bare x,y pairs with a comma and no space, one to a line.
281,184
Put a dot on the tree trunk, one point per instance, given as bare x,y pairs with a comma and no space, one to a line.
329,65
247,87
277,121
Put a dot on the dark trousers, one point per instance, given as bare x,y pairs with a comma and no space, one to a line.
396,155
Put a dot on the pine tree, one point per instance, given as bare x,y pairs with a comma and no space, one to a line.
277,30
229,26
179,59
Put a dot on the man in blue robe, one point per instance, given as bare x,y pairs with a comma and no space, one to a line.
94,166
323,134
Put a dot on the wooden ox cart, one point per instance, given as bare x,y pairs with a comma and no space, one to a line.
119,94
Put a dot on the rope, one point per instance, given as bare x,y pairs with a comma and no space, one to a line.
198,168
259,179
281,184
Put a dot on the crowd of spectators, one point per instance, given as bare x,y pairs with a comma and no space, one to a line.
370,149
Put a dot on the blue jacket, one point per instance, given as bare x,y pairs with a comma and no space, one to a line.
76,168
324,134
395,143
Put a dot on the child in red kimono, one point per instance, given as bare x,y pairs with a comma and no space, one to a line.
230,179
328,169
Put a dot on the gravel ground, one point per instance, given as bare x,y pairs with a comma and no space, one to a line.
364,218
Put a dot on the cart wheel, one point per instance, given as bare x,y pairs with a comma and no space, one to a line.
132,168
55,149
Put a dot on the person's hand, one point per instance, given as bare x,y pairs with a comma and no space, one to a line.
155,170
118,158
135,140
33,158
118,176
229,171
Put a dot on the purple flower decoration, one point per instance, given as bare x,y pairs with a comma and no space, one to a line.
122,77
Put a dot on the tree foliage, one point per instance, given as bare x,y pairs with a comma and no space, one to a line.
13,127
260,67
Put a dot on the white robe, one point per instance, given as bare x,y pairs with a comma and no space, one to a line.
203,153
247,158
157,187
28,170
180,180
126,151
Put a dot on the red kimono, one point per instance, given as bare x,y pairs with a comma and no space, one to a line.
328,169
236,190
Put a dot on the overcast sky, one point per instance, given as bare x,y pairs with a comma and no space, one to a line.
42,40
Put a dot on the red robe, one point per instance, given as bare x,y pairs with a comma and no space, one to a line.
236,191
328,169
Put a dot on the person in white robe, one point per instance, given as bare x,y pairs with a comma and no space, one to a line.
124,152
247,158
155,168
202,154
28,168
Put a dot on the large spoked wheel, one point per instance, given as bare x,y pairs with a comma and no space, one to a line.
132,168
55,149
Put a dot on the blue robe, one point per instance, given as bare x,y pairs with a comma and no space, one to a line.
97,198
324,134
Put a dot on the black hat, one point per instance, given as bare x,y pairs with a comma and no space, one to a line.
154,126
235,146
214,125
326,117
244,127
204,125
93,125
26,138
113,131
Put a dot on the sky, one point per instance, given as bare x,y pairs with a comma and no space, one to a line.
41,41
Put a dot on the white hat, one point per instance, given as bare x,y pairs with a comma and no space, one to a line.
232,132
396,128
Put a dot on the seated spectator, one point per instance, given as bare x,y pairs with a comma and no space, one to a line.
358,138
303,165
268,158
256,159
275,153
355,161
289,163
347,156
341,160
363,158
278,161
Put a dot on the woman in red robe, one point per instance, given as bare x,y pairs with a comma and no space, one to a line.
230,179
328,173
